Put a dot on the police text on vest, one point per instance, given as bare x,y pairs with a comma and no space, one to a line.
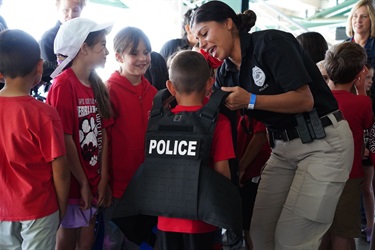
173,147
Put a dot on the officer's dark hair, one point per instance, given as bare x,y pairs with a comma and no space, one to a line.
189,72
344,61
219,12
127,40
19,53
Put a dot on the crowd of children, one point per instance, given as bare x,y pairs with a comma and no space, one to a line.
69,161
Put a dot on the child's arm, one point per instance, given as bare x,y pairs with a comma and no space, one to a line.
222,167
77,171
104,191
61,181
253,148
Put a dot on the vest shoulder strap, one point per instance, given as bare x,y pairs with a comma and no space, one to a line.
207,114
158,102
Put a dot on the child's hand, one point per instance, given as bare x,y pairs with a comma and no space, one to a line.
360,83
86,197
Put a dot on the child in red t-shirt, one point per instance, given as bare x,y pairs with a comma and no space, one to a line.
190,82
252,151
345,66
34,173
82,101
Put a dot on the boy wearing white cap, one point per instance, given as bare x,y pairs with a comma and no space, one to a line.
82,101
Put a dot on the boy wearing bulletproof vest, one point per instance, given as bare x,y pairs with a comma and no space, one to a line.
185,178
189,83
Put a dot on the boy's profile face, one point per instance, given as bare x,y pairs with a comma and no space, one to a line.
38,72
368,81
324,74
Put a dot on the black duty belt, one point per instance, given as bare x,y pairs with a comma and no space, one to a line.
292,133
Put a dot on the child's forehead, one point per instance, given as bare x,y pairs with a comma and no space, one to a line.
134,46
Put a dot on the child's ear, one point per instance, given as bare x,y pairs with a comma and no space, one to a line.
119,57
171,88
38,72
39,67
209,83
84,48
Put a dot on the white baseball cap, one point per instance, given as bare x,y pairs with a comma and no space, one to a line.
71,36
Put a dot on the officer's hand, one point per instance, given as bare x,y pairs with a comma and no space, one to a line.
237,99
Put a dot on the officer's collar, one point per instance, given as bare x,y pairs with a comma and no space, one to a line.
246,47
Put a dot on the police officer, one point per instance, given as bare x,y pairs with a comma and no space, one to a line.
273,79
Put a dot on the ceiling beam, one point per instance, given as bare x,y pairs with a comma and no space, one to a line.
334,11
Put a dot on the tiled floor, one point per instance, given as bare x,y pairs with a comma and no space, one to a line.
361,244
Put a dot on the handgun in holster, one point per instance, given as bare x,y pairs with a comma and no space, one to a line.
309,126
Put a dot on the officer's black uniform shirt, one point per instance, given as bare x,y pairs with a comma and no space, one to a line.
47,43
273,62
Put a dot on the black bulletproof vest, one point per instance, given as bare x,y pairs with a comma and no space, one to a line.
175,179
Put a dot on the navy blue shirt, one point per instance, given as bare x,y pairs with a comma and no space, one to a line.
47,43
370,51
273,62
369,47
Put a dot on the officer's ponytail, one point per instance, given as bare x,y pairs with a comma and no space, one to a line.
247,20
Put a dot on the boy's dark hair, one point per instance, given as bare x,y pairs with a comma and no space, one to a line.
19,53
189,72
344,61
